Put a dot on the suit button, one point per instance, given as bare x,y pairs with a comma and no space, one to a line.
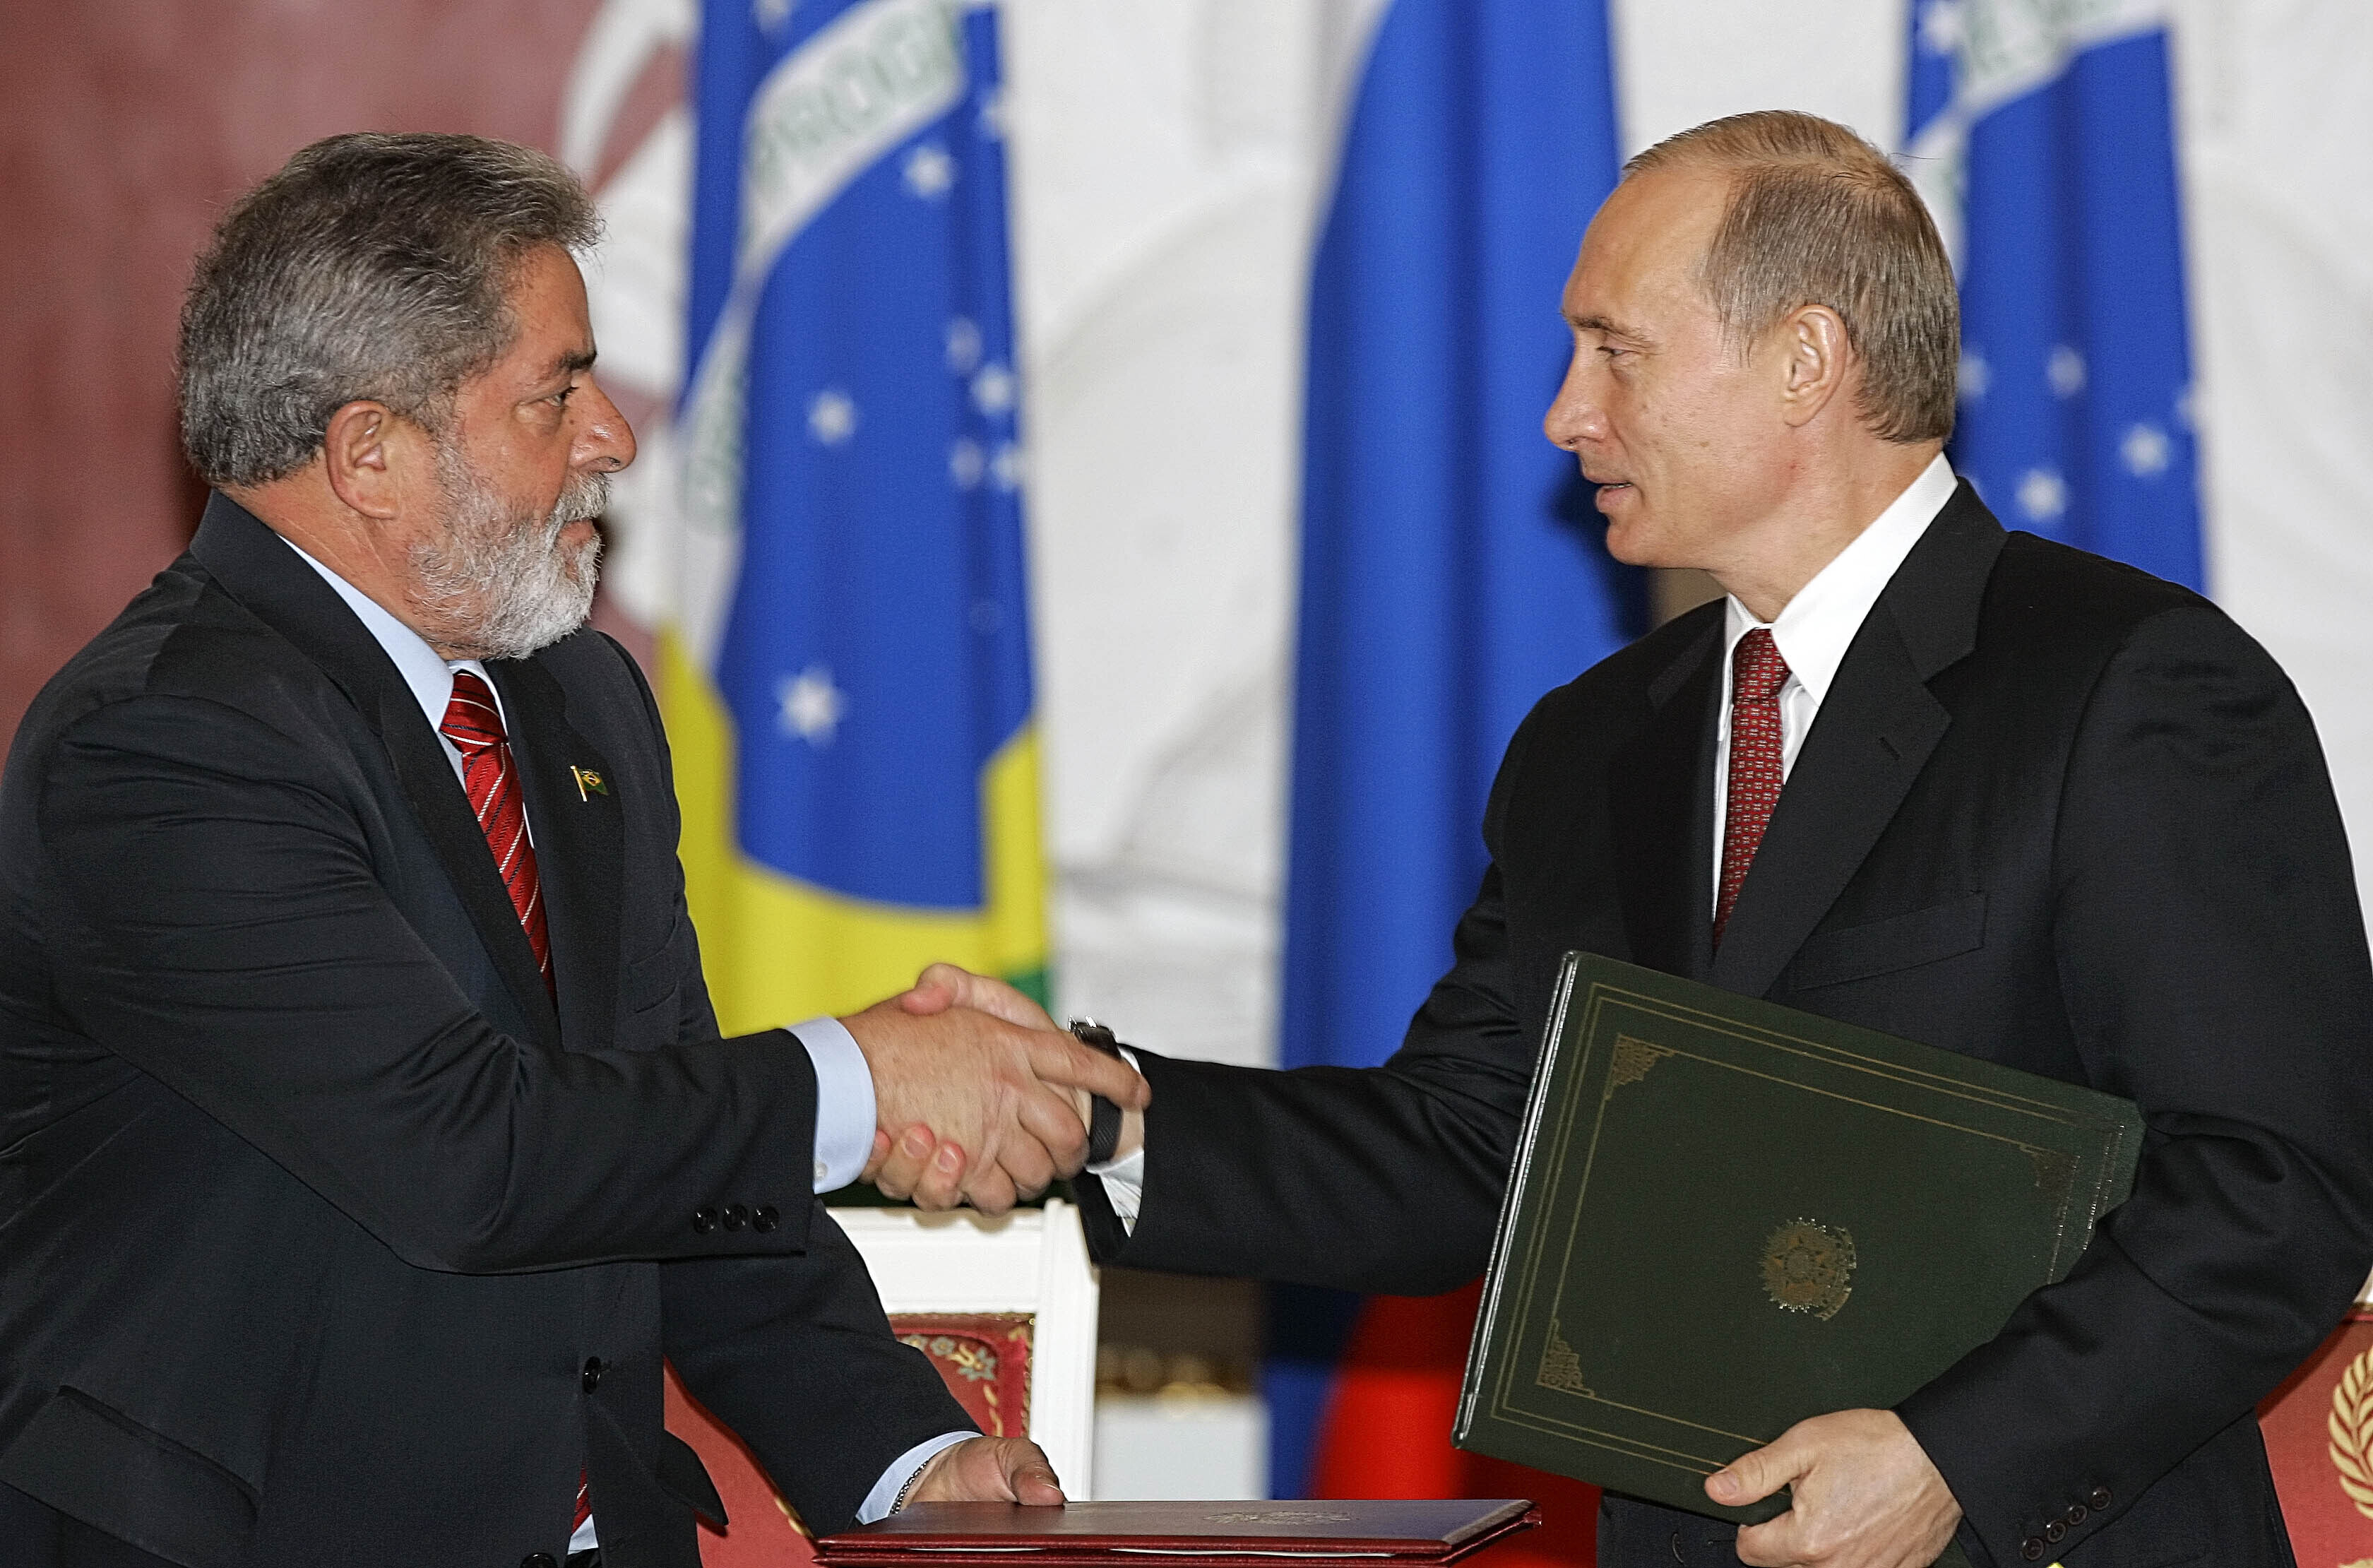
538,1560
2099,1498
2077,1515
766,1217
592,1378
703,1221
2055,1530
736,1216
2032,1549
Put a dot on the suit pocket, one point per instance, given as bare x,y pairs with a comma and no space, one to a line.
101,1467
1899,942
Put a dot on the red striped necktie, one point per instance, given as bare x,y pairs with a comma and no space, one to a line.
1752,785
475,725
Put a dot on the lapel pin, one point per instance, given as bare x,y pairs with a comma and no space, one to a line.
588,783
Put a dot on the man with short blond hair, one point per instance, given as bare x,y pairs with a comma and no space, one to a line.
1911,772
1816,214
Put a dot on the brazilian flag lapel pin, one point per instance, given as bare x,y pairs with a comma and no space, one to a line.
588,783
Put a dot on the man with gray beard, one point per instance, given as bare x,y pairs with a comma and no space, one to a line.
366,1137
534,591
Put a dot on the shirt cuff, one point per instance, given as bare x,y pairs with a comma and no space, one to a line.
902,1469
1124,1178
844,1119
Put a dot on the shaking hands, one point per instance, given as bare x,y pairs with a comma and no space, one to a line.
979,1096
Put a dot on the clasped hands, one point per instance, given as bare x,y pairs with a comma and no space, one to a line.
979,1097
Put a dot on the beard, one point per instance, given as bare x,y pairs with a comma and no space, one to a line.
501,585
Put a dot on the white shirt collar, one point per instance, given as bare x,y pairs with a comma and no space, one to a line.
1819,625
429,677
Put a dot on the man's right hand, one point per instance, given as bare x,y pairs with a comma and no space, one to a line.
943,986
993,1098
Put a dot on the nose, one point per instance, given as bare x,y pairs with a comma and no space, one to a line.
1576,414
606,443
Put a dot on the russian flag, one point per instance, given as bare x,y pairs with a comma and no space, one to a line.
1453,570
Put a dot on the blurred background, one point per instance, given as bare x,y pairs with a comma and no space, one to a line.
1093,521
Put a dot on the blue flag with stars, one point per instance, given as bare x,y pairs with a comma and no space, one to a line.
2043,137
848,680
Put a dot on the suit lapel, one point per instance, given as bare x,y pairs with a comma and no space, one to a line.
579,838
1661,793
1876,729
256,568
444,812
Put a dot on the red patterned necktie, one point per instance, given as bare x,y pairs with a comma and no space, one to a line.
1757,674
475,725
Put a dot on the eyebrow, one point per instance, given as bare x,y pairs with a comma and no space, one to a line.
569,363
1601,324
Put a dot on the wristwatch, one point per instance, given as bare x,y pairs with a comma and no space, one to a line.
1104,1117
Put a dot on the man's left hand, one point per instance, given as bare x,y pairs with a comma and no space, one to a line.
988,1470
1866,1496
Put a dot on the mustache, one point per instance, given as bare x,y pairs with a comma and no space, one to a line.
583,499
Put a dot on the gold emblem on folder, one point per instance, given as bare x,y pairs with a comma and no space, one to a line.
588,783
1631,1061
1808,1267
1560,1368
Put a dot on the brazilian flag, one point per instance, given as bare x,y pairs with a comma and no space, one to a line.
848,686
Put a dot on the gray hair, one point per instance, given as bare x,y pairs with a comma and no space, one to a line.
371,267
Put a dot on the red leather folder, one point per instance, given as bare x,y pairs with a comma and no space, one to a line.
1387,1533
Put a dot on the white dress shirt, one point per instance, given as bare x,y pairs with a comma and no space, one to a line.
1813,631
843,1123
1816,627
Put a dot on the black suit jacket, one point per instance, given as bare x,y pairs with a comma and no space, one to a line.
327,1237
2055,813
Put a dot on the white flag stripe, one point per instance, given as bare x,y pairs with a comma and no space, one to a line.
828,111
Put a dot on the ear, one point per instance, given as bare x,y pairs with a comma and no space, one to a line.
1816,360
359,459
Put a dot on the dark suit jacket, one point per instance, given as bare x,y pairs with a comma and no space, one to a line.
326,1238
2055,813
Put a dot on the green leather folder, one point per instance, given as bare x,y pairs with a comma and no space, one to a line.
1727,1216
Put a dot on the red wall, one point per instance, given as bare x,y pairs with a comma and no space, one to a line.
124,129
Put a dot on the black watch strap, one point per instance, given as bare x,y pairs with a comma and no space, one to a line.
1104,1117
